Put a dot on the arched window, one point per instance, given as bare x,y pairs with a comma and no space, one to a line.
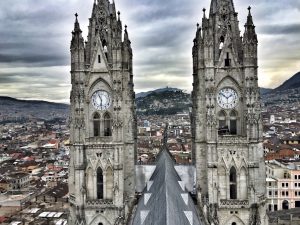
107,125
285,205
99,183
223,128
232,183
96,122
234,223
233,122
100,223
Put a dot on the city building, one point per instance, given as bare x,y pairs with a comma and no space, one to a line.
283,185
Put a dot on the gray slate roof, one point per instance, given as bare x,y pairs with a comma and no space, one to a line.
165,201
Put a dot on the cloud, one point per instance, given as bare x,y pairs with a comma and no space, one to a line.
35,40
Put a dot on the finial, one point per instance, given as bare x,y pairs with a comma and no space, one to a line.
249,8
204,10
197,25
76,15
126,27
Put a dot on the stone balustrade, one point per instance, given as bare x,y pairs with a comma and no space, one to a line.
233,203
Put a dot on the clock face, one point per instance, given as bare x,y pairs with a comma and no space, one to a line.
101,100
227,98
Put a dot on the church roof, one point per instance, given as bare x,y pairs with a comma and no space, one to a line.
165,201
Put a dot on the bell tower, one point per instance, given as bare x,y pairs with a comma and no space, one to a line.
102,121
227,126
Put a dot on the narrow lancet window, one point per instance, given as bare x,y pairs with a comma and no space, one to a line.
233,123
233,184
223,127
107,125
99,183
96,122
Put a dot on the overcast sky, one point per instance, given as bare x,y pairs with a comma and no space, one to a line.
35,38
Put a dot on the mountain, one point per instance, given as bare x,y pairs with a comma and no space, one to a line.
164,102
286,95
264,91
292,83
14,109
144,94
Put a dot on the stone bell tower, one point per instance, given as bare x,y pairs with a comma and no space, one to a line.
227,126
103,121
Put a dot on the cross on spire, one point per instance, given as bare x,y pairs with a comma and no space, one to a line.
249,8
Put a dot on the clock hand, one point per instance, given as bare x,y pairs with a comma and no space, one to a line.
223,95
100,99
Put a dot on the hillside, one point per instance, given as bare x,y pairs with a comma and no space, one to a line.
287,94
292,83
14,109
144,94
168,102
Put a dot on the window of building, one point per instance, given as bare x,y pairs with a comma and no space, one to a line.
296,184
282,184
234,223
287,193
275,207
299,177
287,184
99,183
270,207
107,125
285,205
283,193
96,125
276,193
223,127
296,193
233,123
227,60
295,177
233,184
99,58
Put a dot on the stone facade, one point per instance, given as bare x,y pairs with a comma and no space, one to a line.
103,121
227,126
226,122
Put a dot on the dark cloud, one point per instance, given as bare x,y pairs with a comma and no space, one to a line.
280,29
35,38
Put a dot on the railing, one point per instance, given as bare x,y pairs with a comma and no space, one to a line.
232,139
99,202
233,203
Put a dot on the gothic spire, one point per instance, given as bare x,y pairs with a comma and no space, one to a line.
77,40
249,18
217,5
250,34
126,36
77,25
